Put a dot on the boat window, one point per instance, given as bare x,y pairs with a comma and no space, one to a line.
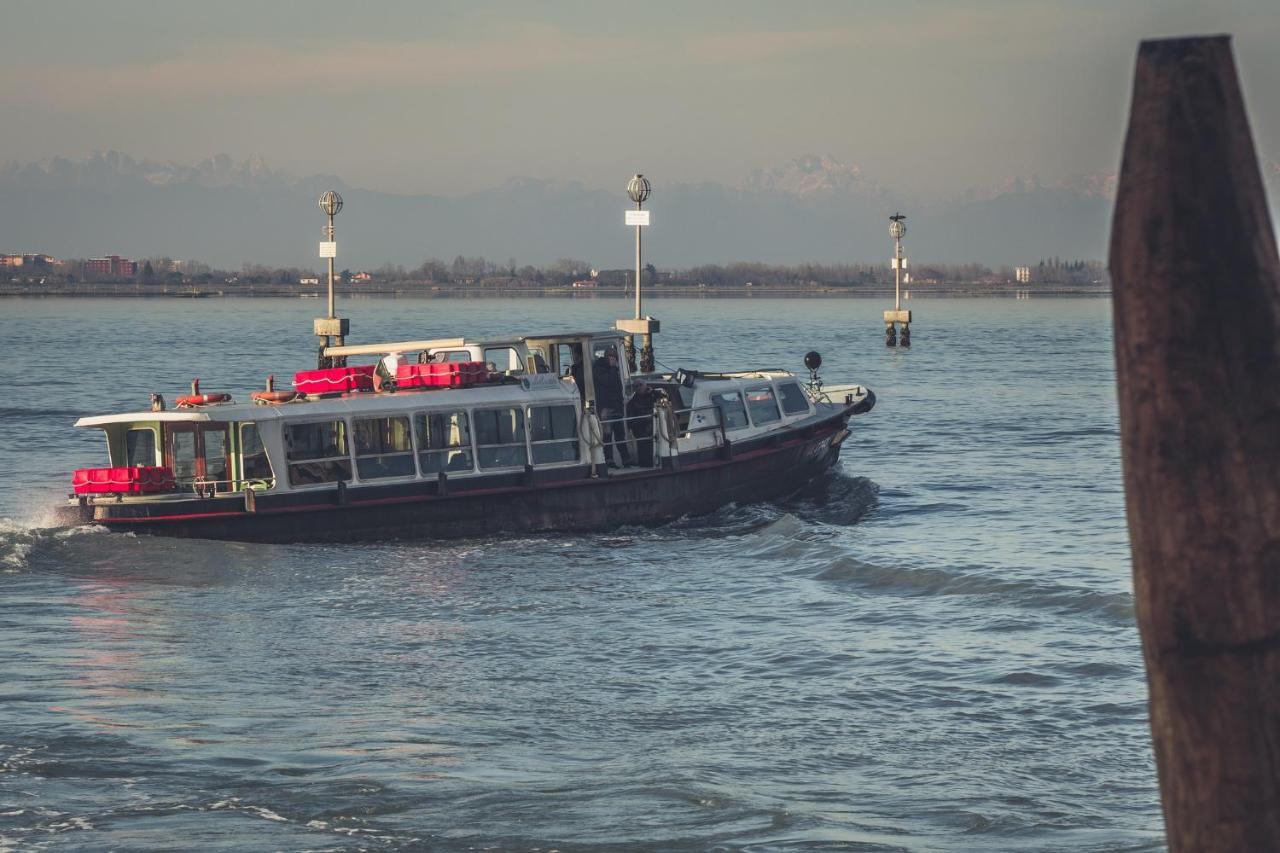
254,464
317,452
182,454
444,442
538,360
451,355
215,457
503,360
140,447
794,402
553,434
730,403
763,408
500,438
564,357
384,448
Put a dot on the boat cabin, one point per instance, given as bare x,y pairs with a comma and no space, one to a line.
534,411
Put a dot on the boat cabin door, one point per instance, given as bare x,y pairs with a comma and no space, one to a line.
586,362
197,453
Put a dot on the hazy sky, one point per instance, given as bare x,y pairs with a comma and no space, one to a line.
444,97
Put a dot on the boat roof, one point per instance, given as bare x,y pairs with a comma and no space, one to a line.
360,403
382,348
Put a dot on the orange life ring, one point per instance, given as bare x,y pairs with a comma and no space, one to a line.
202,399
274,396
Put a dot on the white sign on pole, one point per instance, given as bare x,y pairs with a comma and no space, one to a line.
637,217
329,249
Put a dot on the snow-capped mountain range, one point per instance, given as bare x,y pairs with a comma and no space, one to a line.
812,209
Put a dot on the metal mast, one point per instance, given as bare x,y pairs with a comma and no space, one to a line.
330,326
897,230
638,190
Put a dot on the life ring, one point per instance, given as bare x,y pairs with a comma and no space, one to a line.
187,400
268,397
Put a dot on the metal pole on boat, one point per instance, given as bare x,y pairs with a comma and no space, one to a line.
638,190
330,326
897,230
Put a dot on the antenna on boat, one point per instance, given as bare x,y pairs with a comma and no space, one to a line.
638,190
330,326
897,230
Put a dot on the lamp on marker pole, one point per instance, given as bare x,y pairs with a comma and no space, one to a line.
330,203
328,327
638,190
897,230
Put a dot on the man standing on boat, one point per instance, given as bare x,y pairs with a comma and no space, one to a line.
640,419
608,387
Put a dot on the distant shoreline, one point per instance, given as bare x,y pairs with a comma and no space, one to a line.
414,291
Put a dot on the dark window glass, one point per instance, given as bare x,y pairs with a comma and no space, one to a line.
384,448
730,403
793,399
553,434
140,447
763,408
215,458
254,464
500,438
182,459
444,442
315,441
317,452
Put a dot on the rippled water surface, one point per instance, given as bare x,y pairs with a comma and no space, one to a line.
932,651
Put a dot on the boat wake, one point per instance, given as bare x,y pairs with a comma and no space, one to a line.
1061,598
21,541
835,499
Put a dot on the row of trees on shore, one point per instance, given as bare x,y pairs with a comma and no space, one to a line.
478,272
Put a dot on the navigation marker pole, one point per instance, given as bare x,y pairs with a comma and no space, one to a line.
638,190
329,327
897,230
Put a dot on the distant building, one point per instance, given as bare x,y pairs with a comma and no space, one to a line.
586,282
111,266
1022,274
613,278
309,280
362,276
27,259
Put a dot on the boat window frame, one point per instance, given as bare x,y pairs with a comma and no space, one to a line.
523,443
357,456
467,355
575,439
469,446
156,444
330,461
244,480
200,470
792,383
777,410
722,411
513,357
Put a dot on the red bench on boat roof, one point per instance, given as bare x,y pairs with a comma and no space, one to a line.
450,374
138,480
334,380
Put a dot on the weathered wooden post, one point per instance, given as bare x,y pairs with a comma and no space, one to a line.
1196,284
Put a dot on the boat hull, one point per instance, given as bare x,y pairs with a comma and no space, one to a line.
569,500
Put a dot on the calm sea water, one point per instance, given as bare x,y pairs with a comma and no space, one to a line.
933,651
